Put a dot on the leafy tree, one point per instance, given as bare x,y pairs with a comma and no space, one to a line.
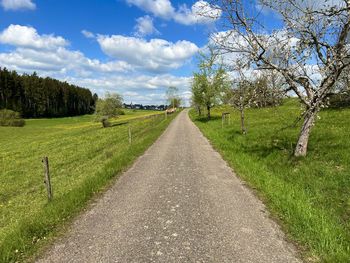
109,107
210,82
197,96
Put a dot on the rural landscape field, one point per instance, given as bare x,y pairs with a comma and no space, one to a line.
309,196
203,131
83,159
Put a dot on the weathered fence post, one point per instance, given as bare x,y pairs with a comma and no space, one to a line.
129,132
166,114
224,116
47,179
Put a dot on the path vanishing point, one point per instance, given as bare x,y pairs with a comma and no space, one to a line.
179,202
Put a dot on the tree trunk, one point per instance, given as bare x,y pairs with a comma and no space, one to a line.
199,111
243,130
208,109
309,120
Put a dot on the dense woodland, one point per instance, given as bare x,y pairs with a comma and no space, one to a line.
33,96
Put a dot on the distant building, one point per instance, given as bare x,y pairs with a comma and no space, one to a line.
145,107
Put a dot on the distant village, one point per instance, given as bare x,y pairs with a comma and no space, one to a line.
145,107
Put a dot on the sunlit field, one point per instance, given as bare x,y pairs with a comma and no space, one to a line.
83,157
311,195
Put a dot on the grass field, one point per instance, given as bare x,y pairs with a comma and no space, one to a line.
83,158
309,196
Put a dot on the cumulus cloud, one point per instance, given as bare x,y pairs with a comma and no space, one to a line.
145,27
23,36
64,60
17,4
156,55
159,8
138,88
50,55
200,12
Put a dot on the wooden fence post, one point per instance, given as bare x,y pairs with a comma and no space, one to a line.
225,117
47,179
129,132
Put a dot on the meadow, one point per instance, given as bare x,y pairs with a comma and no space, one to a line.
309,196
83,159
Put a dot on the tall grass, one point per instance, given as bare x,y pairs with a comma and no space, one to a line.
83,156
309,196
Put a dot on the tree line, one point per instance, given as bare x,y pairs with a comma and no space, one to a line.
33,96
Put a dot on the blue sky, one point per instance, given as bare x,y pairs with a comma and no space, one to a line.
134,47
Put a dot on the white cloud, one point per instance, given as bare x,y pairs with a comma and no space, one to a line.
49,53
56,60
23,36
88,34
145,27
18,4
199,13
159,8
156,55
138,89
62,59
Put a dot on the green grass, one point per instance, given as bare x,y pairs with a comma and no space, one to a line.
310,196
83,159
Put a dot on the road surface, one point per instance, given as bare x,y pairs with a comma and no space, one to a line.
179,202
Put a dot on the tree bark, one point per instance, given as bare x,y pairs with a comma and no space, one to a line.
243,130
208,109
199,111
301,147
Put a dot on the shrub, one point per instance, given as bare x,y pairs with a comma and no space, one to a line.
11,118
340,100
108,107
105,122
120,112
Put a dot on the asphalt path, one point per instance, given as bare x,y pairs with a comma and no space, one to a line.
179,202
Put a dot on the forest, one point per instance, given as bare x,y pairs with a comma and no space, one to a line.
33,96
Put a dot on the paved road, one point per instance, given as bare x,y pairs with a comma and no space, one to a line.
179,202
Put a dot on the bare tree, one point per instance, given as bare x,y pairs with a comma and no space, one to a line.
242,97
269,91
310,51
173,97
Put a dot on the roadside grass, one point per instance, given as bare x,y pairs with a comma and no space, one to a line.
309,196
83,159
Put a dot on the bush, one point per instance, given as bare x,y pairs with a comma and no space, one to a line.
120,112
11,118
339,100
105,122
